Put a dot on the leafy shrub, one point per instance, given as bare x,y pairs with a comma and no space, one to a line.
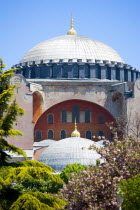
31,179
71,168
31,163
131,193
27,179
37,201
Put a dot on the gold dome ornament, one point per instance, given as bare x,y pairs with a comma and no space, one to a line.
72,30
75,133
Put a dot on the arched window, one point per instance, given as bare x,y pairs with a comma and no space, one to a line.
64,72
63,116
75,71
96,68
108,73
75,113
101,135
50,119
87,71
101,119
118,74
32,73
50,134
63,134
88,135
125,75
38,135
54,71
87,116
132,76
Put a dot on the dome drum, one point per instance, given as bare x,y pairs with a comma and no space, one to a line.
78,70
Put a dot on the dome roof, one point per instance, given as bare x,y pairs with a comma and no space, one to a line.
69,151
71,47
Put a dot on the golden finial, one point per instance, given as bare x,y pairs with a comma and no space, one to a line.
75,133
72,31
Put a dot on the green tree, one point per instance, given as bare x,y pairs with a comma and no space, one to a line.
27,184
130,191
71,169
9,112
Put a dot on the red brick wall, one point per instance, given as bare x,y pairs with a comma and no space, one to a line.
93,126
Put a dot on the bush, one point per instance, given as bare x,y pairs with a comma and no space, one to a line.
71,168
131,193
20,181
37,201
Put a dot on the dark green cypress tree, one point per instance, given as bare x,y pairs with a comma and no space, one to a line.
9,112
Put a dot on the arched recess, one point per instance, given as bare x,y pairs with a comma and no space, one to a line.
37,105
67,124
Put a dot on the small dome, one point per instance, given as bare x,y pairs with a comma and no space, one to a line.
68,151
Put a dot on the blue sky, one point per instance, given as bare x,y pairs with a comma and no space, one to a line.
25,23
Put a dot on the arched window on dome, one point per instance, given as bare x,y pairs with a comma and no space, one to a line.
87,71
118,74
87,116
50,134
75,71
38,135
88,135
63,134
32,73
108,73
101,135
64,72
75,113
125,75
54,71
132,76
50,119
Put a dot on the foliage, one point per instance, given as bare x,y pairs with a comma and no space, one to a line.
33,178
21,181
35,201
9,112
97,187
31,163
131,193
134,123
71,168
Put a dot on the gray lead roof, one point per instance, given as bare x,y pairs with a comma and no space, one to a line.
71,47
68,151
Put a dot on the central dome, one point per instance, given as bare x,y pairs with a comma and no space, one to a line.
71,47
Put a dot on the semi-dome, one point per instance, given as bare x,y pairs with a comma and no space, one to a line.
71,47
68,151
